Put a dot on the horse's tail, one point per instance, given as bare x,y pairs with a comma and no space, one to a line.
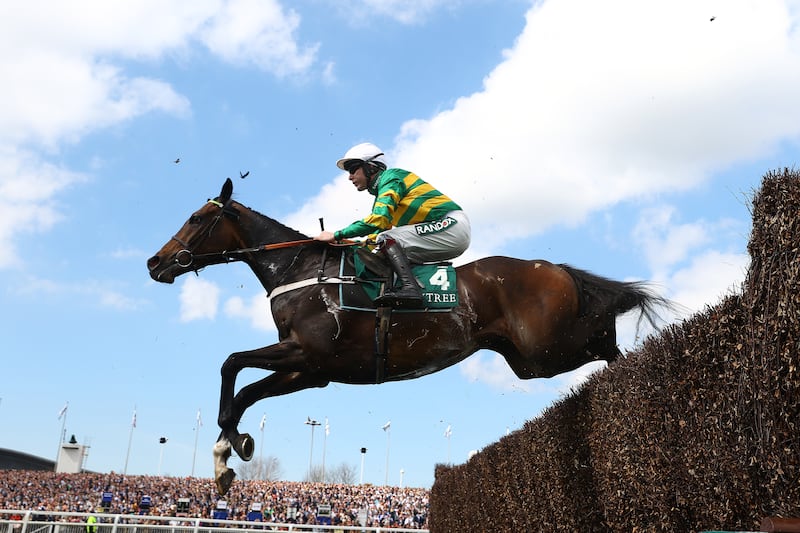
603,296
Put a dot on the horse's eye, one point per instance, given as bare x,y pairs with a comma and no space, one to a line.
194,219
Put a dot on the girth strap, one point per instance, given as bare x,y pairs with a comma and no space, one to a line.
383,315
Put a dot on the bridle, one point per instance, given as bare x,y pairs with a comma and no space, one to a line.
186,256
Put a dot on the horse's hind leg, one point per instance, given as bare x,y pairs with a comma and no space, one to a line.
603,342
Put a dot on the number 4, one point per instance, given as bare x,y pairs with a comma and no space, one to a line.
439,279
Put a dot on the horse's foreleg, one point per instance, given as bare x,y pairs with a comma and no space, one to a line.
223,476
231,410
229,416
273,385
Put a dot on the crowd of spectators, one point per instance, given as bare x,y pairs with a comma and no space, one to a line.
282,501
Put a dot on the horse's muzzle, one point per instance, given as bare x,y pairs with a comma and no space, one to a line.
157,271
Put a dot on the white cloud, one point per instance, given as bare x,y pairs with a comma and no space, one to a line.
28,187
256,311
491,368
362,12
65,84
151,30
103,293
199,299
117,300
144,29
685,257
60,98
128,253
581,118
261,33
329,73
708,278
665,242
68,81
599,103
338,201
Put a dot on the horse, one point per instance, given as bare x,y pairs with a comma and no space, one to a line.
543,318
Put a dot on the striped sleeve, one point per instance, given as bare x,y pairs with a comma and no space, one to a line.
401,198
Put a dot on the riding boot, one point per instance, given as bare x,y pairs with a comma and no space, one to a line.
409,294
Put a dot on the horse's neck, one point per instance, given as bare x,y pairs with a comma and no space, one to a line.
275,267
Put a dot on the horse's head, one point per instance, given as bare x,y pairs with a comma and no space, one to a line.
202,240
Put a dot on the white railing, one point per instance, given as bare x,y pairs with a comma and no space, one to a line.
17,521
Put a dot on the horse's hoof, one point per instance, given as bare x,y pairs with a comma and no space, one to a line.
224,481
244,446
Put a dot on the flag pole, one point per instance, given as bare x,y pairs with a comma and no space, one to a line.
130,439
196,435
387,428
324,446
62,415
447,433
262,470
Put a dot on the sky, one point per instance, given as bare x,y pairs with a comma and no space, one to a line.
623,137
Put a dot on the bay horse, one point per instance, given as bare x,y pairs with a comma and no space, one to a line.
544,319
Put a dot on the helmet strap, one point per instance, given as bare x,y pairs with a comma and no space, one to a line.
371,170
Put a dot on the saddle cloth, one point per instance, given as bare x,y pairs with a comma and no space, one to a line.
438,280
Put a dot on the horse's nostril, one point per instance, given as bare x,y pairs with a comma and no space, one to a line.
153,262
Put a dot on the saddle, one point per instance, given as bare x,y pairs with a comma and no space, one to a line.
438,282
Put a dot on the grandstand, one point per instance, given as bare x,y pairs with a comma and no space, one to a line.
14,460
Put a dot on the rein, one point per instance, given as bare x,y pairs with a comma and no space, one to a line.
230,254
273,246
185,257
267,247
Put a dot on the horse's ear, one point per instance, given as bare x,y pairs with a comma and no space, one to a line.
227,190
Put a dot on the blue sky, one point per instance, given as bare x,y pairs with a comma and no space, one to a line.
623,137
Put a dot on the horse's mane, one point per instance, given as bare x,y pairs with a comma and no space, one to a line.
274,222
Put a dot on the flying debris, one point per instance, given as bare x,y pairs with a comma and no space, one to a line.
243,176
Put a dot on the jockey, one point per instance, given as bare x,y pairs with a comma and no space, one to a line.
410,220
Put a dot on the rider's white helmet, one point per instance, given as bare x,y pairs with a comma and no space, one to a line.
366,152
